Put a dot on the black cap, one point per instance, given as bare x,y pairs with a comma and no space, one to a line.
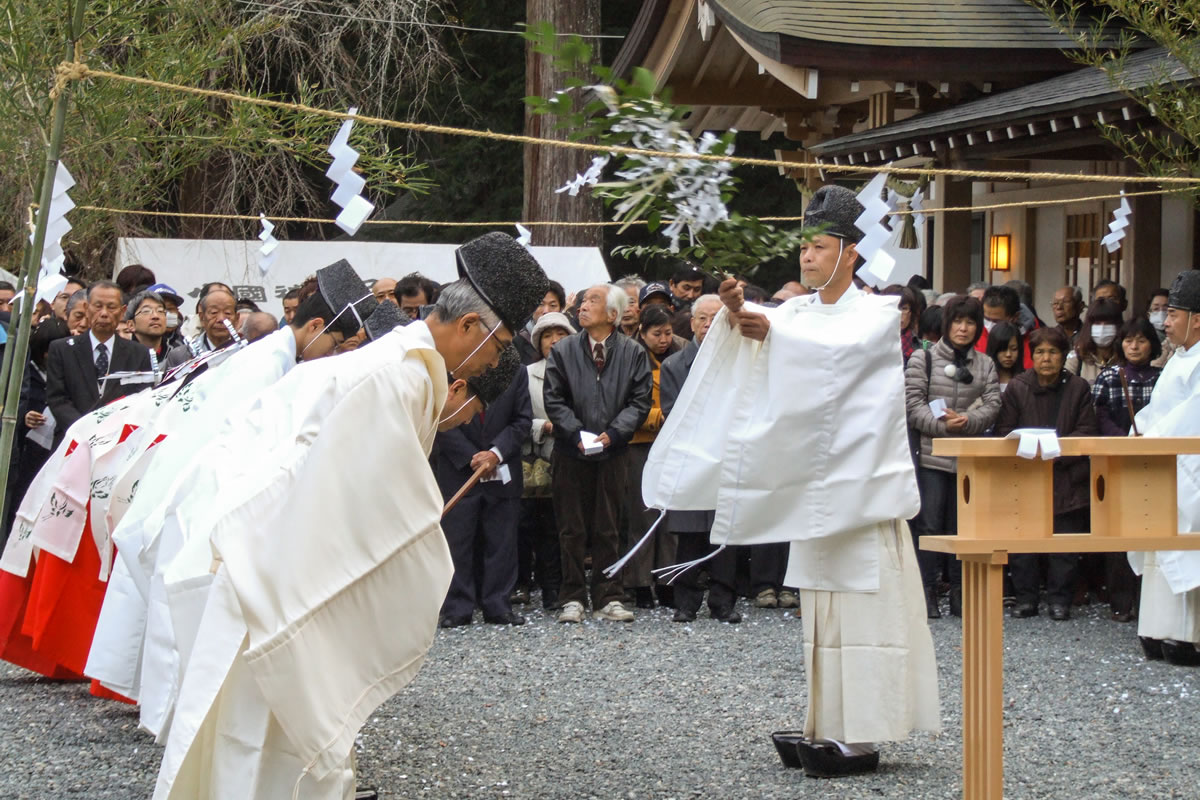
1185,291
383,320
340,285
835,208
495,380
505,275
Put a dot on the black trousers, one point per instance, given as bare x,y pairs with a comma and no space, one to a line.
587,505
768,563
482,534
938,515
722,571
538,559
1062,569
1123,584
636,519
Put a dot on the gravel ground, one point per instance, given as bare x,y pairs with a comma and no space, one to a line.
661,710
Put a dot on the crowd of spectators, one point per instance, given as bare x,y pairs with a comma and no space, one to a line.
563,451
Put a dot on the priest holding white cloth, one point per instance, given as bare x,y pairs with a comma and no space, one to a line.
792,426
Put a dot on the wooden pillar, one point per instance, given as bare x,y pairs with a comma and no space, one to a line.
548,168
1141,265
983,676
952,237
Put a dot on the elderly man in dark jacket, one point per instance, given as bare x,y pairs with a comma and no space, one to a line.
598,391
1050,397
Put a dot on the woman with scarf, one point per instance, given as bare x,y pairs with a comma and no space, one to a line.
951,389
656,335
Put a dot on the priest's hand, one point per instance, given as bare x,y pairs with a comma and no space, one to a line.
732,296
753,325
488,458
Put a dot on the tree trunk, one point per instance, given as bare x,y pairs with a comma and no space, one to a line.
548,168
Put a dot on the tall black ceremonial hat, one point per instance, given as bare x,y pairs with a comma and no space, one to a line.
836,208
505,275
494,380
1185,291
340,285
384,319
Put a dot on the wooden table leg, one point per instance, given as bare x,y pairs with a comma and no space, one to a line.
983,676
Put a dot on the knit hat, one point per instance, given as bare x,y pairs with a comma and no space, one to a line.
384,319
835,207
340,286
505,275
551,319
492,383
1185,291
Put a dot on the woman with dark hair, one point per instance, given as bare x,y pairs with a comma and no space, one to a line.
929,327
656,335
1048,396
912,306
134,278
1096,346
1131,380
949,390
1005,346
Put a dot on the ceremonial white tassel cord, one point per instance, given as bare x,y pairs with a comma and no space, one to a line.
615,568
673,572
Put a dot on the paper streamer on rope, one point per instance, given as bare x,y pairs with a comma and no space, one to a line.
880,265
524,236
268,252
57,225
355,207
1031,440
1116,228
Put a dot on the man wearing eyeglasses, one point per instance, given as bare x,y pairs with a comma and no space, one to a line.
216,307
76,367
148,313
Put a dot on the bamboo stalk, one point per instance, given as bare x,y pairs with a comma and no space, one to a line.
20,349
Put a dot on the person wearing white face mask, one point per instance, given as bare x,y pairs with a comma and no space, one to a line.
1156,312
1096,348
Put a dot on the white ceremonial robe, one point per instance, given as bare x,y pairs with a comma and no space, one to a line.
331,575
189,420
815,415
1170,604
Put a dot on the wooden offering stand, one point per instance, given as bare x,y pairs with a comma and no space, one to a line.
1006,505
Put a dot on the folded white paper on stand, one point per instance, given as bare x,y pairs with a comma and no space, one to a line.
1033,439
591,446
937,408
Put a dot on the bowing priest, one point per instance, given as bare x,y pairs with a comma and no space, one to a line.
806,402
209,394
330,566
1169,616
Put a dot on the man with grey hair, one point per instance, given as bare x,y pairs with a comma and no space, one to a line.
598,391
1067,307
633,286
258,325
977,288
77,313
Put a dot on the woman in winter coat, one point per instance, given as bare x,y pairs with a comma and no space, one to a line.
1048,396
951,372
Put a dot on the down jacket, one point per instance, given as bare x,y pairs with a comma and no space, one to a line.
979,399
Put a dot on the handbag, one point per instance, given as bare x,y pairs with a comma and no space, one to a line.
536,474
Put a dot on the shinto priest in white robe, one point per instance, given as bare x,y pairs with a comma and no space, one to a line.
190,420
324,600
802,438
1170,605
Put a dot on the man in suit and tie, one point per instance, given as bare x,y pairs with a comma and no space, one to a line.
485,521
76,366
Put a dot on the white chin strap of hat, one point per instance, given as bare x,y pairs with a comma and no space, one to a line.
491,333
352,308
836,266
455,412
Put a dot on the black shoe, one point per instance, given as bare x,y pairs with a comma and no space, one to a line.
729,615
511,618
825,760
645,597
453,622
1152,648
683,616
956,601
549,599
1059,613
1023,610
1181,654
785,745
931,604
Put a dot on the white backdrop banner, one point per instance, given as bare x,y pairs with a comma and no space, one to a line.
187,264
